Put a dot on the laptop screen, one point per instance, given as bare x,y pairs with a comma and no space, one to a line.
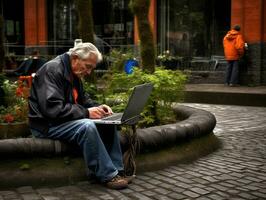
137,101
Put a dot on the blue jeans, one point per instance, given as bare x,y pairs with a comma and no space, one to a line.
232,72
104,161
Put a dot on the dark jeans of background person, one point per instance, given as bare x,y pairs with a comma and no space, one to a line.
232,72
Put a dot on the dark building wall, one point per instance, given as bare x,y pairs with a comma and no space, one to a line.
254,75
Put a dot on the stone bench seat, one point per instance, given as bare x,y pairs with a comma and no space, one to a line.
193,123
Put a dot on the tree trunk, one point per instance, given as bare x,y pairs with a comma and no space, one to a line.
85,26
2,50
140,9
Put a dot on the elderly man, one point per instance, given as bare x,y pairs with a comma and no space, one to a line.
59,110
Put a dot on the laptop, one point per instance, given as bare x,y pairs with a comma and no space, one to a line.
135,105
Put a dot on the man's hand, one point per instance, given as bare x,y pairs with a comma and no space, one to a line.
106,109
96,112
100,112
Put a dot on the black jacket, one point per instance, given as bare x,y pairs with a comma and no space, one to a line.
51,99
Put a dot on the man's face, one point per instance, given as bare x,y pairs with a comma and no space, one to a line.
84,67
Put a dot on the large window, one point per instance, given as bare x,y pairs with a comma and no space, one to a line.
113,23
192,27
13,14
62,25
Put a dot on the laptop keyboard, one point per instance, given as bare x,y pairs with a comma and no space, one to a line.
115,116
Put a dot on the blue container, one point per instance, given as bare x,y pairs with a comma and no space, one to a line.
129,66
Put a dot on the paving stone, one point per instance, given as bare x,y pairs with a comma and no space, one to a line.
48,197
127,191
253,179
150,193
25,189
184,180
195,174
166,186
30,196
260,195
246,195
44,191
154,182
215,197
169,180
210,179
143,177
106,196
165,173
203,198
199,191
162,191
176,195
139,196
200,180
162,197
7,192
149,186
11,196
243,180
183,185
191,194
137,188
250,187
117,194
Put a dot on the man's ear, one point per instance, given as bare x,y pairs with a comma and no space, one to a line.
74,57
74,61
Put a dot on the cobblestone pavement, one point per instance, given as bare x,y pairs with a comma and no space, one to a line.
236,171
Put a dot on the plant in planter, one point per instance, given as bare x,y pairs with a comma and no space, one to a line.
14,111
119,58
168,61
168,88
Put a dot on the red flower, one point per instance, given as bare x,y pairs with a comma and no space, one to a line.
8,118
19,91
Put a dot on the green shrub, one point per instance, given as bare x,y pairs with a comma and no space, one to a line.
168,88
119,58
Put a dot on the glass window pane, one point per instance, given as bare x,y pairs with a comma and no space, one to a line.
192,27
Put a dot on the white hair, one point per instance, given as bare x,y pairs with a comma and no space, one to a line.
84,51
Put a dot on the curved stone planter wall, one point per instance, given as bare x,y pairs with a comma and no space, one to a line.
194,123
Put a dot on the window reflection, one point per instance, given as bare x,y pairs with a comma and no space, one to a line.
113,23
192,27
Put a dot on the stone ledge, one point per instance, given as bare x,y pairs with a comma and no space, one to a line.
194,122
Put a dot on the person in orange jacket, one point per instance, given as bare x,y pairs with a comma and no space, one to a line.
233,44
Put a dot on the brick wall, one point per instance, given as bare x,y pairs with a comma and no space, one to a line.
263,70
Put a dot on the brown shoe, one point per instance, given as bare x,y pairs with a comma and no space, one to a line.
117,183
129,179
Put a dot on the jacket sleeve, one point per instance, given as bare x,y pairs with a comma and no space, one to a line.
52,99
88,102
239,45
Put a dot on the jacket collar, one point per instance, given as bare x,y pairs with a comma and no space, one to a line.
65,59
